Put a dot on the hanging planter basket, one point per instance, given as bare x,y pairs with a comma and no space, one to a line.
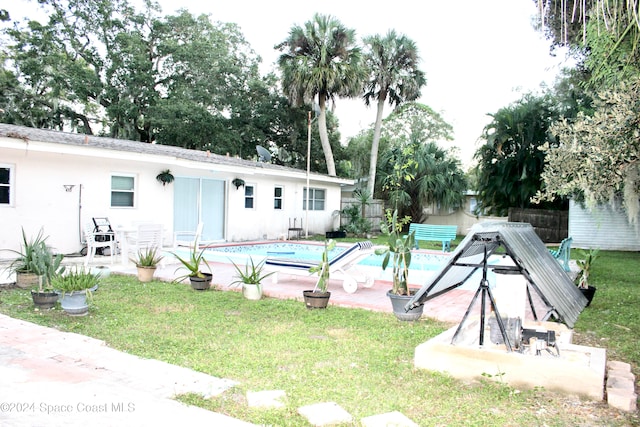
165,177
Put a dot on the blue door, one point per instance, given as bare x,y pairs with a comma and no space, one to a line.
199,199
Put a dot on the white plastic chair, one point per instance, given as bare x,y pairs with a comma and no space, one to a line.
93,244
147,236
190,239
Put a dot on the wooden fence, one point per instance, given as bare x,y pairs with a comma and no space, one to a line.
374,212
550,226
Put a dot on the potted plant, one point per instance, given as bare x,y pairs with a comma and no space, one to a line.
251,279
319,296
165,177
75,286
398,252
199,280
45,266
146,262
582,279
21,266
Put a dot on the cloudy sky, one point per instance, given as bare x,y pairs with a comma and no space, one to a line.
478,56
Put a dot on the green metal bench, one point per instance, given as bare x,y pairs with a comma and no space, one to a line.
438,233
563,253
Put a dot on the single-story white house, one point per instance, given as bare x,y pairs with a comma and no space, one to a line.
59,181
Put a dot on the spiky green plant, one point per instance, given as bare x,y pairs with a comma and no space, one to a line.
147,257
252,273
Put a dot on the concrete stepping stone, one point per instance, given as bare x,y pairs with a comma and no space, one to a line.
324,414
390,419
266,399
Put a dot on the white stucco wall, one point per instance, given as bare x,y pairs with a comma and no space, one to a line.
265,222
41,200
41,169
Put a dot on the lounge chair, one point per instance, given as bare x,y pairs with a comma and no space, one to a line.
339,266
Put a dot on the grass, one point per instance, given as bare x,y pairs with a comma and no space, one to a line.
360,359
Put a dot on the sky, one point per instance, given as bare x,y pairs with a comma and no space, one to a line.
478,56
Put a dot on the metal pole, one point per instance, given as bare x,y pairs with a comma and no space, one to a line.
306,219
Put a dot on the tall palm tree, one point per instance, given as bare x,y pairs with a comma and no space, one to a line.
392,64
321,58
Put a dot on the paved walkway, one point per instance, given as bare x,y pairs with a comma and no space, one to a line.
53,378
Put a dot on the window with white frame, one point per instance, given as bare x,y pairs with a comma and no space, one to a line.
122,191
316,199
277,197
249,196
6,185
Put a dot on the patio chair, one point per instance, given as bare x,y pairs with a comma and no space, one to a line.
294,229
147,236
338,266
190,239
97,240
563,253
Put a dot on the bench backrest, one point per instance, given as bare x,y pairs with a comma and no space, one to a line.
434,232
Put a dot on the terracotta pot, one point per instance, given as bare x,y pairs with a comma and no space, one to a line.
26,280
145,274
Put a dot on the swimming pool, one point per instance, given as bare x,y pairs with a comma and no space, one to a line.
239,253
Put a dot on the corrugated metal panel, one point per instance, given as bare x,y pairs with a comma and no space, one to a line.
530,256
602,228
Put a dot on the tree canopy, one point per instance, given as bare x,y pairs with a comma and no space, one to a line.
101,67
597,157
321,58
394,77
415,172
603,34
510,163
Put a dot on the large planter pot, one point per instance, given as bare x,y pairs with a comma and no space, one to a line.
75,303
314,300
102,271
201,283
252,291
26,280
44,300
588,293
145,274
398,302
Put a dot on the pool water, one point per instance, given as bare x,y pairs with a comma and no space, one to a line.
309,252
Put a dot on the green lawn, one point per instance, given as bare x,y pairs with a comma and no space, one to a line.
360,359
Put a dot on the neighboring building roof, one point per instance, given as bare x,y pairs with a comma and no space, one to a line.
80,141
530,257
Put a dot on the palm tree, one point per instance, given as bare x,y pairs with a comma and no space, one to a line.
392,63
321,58
429,175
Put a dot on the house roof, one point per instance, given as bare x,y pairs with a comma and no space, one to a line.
141,150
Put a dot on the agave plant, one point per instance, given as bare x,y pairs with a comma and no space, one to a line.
252,273
193,263
147,257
